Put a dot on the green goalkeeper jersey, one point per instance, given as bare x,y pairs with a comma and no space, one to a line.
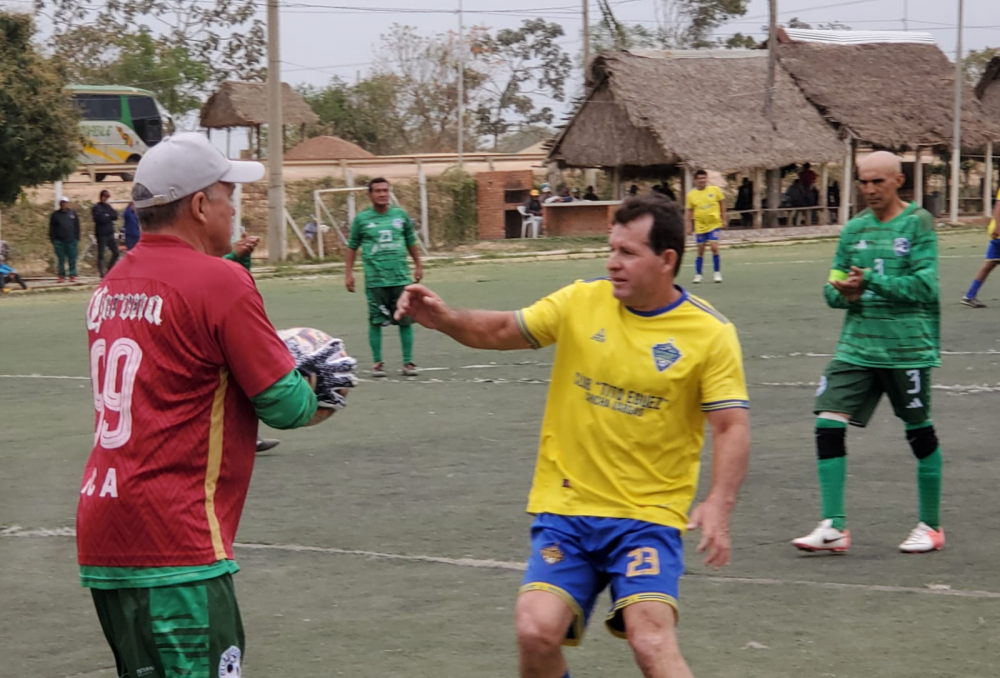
897,321
384,240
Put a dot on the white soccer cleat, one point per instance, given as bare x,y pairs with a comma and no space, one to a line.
923,539
824,538
717,277
697,278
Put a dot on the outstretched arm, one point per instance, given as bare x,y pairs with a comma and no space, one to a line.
496,330
730,457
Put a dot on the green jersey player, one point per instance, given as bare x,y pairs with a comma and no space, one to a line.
384,233
885,275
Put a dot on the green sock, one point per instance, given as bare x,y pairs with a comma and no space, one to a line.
406,339
929,488
375,341
833,473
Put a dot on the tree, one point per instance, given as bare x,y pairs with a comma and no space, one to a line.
518,65
426,72
195,46
690,24
367,113
39,134
976,62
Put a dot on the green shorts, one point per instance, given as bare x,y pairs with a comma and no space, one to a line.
382,305
855,391
191,629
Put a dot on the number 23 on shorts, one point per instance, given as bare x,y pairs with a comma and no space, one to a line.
645,560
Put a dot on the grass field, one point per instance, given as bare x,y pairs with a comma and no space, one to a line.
389,541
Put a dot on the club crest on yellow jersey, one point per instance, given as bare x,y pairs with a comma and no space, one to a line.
665,355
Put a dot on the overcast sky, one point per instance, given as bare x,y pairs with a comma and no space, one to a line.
319,41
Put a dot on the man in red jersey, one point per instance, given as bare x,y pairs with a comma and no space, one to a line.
183,363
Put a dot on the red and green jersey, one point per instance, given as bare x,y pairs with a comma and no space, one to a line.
179,343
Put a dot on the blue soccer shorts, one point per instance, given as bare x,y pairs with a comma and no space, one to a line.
702,238
993,251
576,557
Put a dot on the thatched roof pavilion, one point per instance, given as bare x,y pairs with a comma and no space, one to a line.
988,89
244,104
651,110
892,95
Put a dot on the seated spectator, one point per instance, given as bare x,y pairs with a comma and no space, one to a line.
8,274
633,191
310,230
533,206
546,194
565,195
589,194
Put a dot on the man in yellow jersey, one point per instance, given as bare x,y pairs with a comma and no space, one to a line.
639,366
706,214
992,259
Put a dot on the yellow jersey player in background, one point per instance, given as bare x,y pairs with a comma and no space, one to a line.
971,297
639,366
706,214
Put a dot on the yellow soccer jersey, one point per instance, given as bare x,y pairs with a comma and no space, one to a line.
625,417
705,205
993,222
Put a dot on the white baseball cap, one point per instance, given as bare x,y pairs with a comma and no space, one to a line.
184,164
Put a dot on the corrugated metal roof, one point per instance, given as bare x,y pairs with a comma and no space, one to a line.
855,37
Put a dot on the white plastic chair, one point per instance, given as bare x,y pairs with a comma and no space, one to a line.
529,222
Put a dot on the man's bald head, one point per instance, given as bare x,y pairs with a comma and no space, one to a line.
882,162
880,176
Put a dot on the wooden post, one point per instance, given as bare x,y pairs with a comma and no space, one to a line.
250,142
489,161
424,225
988,180
918,178
758,198
688,185
773,198
616,183
824,194
847,189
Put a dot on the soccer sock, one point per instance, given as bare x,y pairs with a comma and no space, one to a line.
406,339
375,341
831,448
717,262
929,471
698,264
974,289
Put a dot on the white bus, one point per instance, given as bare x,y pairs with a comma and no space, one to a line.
118,125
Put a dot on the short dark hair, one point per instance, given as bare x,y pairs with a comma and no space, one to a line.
700,173
377,180
667,231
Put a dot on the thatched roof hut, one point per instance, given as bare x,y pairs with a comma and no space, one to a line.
650,109
895,96
988,89
244,104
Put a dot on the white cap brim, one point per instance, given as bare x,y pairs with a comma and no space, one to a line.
243,172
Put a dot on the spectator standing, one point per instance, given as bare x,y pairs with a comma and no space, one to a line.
808,177
130,221
590,195
64,234
105,217
744,202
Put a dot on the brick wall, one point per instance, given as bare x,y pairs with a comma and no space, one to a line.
491,189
